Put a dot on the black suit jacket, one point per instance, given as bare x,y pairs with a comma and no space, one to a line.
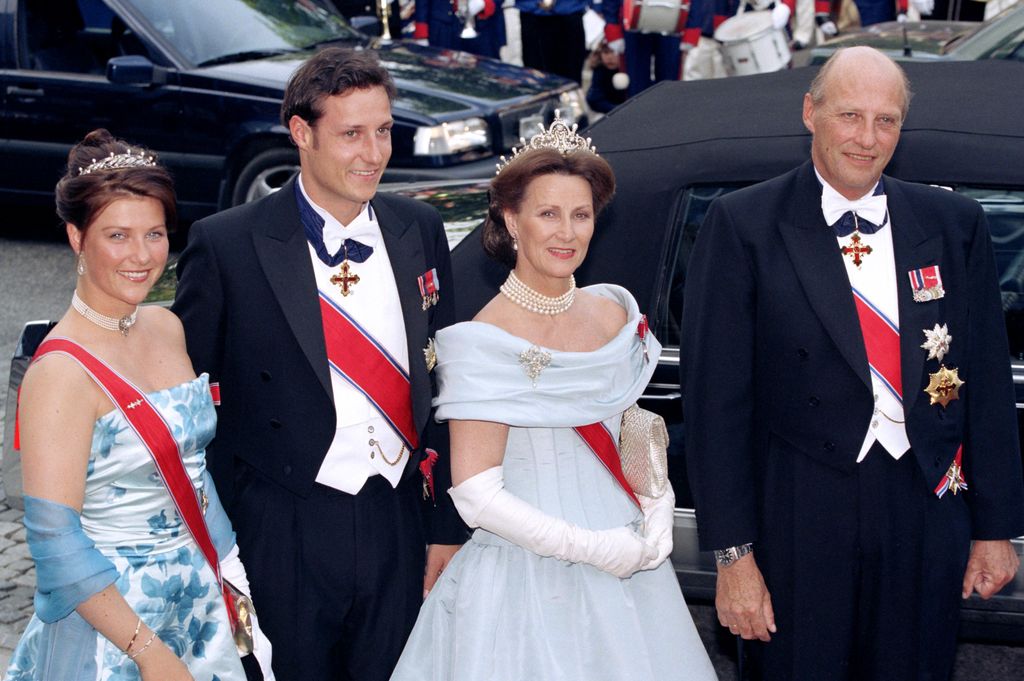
248,300
772,348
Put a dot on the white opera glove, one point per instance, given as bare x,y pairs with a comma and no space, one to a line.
232,570
659,521
923,6
475,7
780,15
483,501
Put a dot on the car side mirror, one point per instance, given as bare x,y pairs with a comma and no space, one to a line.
135,70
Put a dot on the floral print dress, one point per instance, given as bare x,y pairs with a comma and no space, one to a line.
163,575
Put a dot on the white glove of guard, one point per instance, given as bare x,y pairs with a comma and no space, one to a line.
780,15
923,6
659,520
475,7
232,570
617,46
829,28
482,501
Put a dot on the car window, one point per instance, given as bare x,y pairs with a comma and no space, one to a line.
1003,208
210,31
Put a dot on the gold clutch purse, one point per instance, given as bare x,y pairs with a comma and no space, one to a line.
241,619
643,451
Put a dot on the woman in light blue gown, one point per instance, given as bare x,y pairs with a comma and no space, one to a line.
123,591
566,577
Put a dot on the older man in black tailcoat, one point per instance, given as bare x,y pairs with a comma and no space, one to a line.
851,435
312,309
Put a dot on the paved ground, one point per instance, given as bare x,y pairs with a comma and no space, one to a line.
17,581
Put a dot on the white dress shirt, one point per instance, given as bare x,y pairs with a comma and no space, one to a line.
364,444
875,279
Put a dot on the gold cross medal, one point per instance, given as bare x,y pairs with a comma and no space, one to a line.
345,278
955,477
855,249
944,386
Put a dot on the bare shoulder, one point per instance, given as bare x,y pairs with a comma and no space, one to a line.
495,311
605,312
56,384
163,322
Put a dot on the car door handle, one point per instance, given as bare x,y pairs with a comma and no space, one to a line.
24,91
666,397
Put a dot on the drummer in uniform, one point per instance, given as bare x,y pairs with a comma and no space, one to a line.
658,38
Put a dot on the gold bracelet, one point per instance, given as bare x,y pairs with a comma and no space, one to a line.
138,625
143,648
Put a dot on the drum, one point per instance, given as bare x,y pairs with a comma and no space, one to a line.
655,16
751,44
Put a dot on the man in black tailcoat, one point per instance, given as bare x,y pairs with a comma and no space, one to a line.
850,426
313,310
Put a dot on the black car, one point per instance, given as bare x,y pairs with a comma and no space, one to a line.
201,81
1001,37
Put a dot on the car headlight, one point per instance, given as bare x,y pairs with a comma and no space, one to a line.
454,137
571,106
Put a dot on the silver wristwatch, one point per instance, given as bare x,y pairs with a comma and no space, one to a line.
726,557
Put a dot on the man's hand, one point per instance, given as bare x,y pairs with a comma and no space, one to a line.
438,557
743,602
991,567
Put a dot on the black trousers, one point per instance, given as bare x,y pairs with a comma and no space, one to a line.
554,43
864,570
337,579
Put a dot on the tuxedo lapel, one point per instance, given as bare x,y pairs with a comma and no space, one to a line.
283,254
405,251
819,265
913,247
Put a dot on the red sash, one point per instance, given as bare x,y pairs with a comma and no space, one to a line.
155,434
882,342
601,443
360,360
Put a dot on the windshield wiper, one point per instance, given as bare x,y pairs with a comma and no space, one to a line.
353,38
246,56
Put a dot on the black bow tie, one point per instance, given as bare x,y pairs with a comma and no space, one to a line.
313,224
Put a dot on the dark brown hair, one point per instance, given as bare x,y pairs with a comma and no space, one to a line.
333,71
509,187
80,198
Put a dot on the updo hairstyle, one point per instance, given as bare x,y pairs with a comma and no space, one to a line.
509,187
82,197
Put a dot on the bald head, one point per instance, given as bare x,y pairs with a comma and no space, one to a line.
854,111
860,63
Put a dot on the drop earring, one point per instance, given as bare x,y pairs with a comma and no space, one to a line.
81,264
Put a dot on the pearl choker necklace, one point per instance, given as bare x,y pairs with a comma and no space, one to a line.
524,296
122,324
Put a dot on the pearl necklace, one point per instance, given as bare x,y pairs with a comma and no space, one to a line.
524,296
122,324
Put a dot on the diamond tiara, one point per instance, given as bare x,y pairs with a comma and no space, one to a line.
117,161
557,136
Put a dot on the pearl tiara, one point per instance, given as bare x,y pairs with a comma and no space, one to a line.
557,136
118,161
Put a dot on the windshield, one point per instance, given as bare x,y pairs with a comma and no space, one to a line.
211,31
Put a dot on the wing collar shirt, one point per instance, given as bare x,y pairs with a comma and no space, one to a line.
364,444
875,279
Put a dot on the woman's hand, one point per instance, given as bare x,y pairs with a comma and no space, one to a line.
159,663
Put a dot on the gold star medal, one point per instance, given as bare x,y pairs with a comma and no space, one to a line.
944,386
955,475
430,354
